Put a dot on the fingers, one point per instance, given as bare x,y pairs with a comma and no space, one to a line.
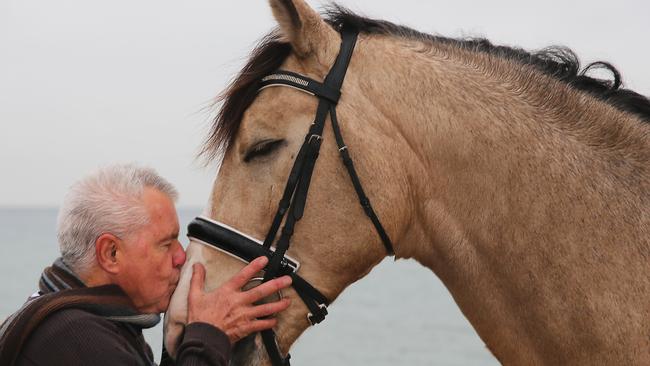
198,279
259,325
257,315
271,308
248,272
266,289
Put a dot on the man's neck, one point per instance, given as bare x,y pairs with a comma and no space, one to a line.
95,277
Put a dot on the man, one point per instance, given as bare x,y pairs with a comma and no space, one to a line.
120,262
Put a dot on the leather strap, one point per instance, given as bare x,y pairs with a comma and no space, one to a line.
299,180
356,182
294,198
268,337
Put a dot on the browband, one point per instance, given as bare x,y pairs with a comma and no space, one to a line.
302,83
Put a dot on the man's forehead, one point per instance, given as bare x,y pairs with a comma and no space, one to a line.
162,213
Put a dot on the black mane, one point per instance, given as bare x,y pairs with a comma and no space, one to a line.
558,62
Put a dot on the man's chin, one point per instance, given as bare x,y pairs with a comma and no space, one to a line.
163,305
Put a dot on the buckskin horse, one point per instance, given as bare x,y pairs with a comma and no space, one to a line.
518,179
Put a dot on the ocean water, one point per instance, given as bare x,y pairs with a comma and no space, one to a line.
400,314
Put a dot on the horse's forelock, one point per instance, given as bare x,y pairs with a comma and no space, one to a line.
267,57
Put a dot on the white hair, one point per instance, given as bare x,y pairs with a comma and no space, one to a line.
106,201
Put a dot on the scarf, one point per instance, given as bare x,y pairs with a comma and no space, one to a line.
60,288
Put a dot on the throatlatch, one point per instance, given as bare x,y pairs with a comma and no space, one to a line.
291,206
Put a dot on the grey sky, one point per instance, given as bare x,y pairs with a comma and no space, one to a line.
85,83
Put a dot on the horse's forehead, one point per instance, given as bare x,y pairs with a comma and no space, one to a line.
274,109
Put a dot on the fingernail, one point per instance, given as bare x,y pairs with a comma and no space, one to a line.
262,260
286,280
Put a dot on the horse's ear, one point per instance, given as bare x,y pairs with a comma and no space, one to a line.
304,28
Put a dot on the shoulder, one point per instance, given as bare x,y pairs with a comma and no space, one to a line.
73,324
74,336
73,317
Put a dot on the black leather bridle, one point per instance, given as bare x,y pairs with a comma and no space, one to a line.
294,198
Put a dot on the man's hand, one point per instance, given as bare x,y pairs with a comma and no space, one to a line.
230,309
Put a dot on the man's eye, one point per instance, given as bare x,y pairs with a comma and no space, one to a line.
264,147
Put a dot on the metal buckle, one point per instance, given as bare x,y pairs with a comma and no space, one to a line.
317,137
310,315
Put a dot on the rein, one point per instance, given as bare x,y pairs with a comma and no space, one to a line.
294,198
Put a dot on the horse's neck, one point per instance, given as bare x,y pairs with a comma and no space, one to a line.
530,200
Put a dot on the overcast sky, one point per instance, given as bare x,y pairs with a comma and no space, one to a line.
85,83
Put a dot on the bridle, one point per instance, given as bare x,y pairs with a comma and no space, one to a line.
293,200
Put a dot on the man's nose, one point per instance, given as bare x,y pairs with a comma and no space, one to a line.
178,258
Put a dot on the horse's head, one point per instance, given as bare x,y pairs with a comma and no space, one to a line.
335,242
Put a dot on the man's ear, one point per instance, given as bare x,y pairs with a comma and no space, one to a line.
308,33
106,250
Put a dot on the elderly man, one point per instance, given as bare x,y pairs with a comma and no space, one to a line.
120,262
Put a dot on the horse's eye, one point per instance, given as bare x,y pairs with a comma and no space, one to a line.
261,148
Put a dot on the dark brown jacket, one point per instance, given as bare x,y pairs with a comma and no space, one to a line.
76,337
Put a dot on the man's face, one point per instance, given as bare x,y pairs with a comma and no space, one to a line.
152,256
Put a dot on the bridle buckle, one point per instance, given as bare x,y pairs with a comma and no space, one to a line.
314,136
311,318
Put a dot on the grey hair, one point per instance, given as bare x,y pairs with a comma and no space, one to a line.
106,201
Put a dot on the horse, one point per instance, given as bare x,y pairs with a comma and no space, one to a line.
518,179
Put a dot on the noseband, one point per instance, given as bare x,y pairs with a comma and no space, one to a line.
293,200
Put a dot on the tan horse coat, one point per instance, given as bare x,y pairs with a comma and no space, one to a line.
527,198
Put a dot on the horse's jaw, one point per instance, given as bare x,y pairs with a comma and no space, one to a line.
249,352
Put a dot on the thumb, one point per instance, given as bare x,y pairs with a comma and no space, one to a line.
198,279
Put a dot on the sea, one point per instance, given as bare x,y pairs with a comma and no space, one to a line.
400,314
